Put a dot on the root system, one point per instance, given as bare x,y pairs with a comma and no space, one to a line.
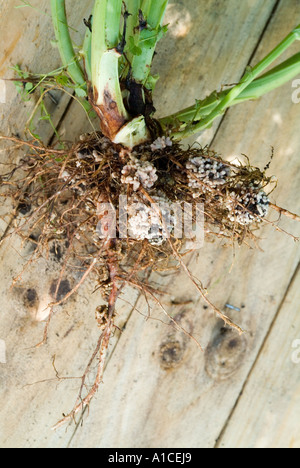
69,195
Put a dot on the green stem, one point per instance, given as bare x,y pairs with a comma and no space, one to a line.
233,94
112,22
98,42
107,93
153,13
87,54
132,7
275,78
67,53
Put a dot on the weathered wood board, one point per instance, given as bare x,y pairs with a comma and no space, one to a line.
270,404
26,35
159,389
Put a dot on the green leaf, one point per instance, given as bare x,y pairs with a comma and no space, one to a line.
80,92
62,80
36,135
151,82
19,86
162,31
21,73
133,48
29,87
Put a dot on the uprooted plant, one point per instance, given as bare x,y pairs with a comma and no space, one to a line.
128,197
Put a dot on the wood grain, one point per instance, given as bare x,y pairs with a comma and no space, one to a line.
188,403
159,390
268,413
26,35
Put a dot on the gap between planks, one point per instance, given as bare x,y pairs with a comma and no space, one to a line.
69,104
252,369
213,138
133,308
252,56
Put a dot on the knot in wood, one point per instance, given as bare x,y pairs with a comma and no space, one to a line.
225,354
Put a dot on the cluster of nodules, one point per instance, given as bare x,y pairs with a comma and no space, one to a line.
145,220
246,202
208,178
247,205
152,221
206,174
204,177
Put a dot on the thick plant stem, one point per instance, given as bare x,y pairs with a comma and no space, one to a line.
237,90
132,7
107,99
65,46
275,78
149,34
87,54
107,96
112,22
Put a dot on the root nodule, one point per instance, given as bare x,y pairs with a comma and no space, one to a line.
74,197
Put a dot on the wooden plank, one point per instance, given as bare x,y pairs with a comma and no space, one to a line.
26,33
34,398
25,40
161,391
268,412
213,37
150,397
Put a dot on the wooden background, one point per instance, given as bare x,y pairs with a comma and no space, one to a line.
159,390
